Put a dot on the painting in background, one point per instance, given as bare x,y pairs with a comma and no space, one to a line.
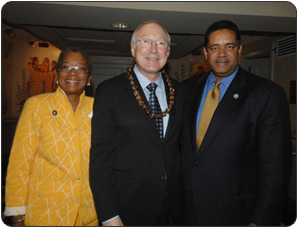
41,76
200,68
188,67
39,79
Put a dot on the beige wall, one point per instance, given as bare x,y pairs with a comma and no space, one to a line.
180,69
16,55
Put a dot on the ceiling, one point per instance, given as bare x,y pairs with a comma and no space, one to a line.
87,24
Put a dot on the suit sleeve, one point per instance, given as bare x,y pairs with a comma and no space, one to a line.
102,155
275,159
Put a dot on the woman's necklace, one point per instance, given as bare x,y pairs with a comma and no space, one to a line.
142,103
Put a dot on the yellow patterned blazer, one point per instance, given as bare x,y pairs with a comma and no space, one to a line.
48,171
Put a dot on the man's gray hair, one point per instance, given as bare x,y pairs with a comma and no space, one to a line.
133,37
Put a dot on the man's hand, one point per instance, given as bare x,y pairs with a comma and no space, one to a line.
114,222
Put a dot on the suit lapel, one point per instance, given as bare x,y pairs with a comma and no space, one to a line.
229,103
194,104
172,114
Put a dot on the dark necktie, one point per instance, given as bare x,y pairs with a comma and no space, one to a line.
155,108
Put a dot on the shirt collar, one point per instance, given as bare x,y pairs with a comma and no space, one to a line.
225,81
145,81
62,95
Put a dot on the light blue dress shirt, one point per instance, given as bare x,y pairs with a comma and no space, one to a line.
210,83
160,93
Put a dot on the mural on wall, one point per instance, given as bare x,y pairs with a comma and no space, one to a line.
22,91
199,68
40,79
187,71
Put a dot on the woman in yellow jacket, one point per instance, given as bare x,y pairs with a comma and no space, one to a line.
47,180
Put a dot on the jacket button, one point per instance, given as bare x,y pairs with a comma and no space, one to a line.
162,176
189,188
196,164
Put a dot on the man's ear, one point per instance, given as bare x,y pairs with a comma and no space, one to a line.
132,49
205,52
240,50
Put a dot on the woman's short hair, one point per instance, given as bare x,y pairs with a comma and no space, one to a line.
78,50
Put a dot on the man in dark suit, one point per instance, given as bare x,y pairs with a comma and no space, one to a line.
135,170
239,174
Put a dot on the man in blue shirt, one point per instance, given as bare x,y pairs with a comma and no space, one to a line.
237,174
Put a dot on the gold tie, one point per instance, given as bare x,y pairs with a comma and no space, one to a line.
210,105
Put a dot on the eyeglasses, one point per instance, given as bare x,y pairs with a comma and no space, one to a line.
79,70
148,43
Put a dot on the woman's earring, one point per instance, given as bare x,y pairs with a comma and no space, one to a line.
88,84
57,82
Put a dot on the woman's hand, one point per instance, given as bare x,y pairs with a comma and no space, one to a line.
18,220
115,222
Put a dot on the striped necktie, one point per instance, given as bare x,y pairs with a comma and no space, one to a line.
155,108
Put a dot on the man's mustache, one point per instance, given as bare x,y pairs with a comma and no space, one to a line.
222,59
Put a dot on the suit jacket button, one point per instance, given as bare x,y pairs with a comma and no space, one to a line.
189,188
162,176
196,164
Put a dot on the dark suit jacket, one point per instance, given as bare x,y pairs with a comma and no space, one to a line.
241,171
128,159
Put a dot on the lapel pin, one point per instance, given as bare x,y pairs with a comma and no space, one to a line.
235,96
54,112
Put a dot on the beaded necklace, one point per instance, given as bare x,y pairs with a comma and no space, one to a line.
142,103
